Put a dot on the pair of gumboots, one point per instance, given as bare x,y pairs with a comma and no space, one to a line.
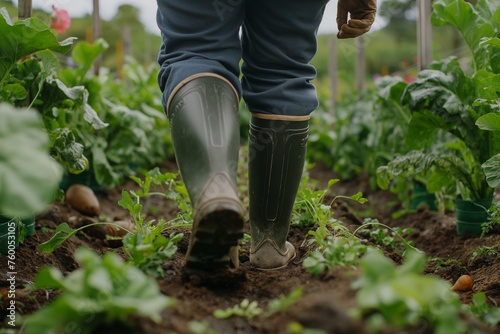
204,121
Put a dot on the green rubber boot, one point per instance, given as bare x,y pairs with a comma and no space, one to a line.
203,115
277,150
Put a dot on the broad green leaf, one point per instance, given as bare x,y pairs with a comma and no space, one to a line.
13,92
63,232
24,38
487,85
422,130
469,23
84,54
104,173
100,280
49,277
490,122
67,151
449,97
80,95
123,290
29,177
391,89
491,169
488,9
414,263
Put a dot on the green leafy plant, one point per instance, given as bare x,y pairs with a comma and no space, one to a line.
480,308
63,232
446,98
338,251
392,238
21,39
401,296
282,303
147,247
298,328
30,177
200,327
245,309
485,251
439,262
334,244
103,291
74,104
494,219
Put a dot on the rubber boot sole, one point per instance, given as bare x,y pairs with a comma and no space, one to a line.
212,238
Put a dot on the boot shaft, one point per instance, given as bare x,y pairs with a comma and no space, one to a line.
277,150
203,116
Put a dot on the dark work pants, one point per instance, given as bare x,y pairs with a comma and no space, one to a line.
276,39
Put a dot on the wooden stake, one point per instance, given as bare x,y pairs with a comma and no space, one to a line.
424,33
25,9
96,32
332,72
360,64
119,59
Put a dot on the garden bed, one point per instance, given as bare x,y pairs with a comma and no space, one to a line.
325,300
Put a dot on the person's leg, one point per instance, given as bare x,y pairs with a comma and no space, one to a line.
279,40
198,37
199,61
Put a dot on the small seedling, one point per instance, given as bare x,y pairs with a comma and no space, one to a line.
200,327
481,309
104,290
390,237
442,263
282,303
245,309
484,251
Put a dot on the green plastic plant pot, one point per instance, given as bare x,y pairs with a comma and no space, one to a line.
8,226
471,214
29,225
86,178
420,196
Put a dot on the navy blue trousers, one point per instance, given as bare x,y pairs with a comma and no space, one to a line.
263,47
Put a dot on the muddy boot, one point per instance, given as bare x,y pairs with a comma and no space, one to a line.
203,114
277,148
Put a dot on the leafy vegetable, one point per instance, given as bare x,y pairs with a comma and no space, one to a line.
401,296
29,177
445,97
23,38
147,248
104,290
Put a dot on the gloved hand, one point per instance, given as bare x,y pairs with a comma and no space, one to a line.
362,16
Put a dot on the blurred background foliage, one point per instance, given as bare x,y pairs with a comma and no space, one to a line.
125,30
389,50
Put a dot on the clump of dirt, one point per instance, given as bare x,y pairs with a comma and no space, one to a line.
325,301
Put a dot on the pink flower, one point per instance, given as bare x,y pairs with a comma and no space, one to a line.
60,20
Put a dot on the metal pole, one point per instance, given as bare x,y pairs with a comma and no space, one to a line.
424,33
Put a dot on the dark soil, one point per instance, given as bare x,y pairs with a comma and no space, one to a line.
325,299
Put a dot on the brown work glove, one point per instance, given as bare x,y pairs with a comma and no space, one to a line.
362,16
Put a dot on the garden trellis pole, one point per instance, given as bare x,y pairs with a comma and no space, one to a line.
25,9
332,72
96,32
424,33
360,64
25,12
